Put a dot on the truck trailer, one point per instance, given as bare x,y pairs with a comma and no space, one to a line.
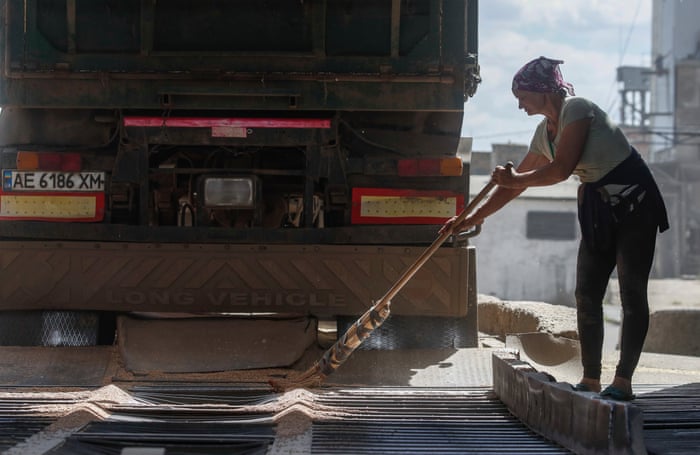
205,170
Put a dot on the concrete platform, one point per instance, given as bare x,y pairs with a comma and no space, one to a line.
472,367
417,368
97,366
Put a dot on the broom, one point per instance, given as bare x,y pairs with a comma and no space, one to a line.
372,318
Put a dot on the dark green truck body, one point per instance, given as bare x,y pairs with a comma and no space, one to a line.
307,104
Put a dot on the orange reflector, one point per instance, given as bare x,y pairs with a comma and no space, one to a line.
49,161
393,206
451,166
430,167
27,161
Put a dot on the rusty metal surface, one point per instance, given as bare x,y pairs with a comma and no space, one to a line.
322,280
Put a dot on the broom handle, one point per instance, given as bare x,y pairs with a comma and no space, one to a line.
375,316
423,258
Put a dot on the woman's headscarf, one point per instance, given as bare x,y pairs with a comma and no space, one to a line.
541,75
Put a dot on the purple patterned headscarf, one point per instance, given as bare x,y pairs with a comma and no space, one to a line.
541,75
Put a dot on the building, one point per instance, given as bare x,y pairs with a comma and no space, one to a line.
527,251
660,113
674,128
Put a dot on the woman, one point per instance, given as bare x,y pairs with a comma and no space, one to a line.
620,211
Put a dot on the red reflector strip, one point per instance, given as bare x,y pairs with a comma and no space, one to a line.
425,167
63,207
210,122
408,168
393,206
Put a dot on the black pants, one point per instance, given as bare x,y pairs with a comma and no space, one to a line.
632,251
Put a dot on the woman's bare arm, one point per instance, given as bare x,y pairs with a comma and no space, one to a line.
566,157
499,197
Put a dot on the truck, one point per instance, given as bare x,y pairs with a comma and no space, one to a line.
207,184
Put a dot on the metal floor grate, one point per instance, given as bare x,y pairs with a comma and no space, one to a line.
382,420
425,421
181,438
20,419
15,429
671,419
187,420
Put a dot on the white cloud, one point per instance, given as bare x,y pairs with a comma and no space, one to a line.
568,13
593,37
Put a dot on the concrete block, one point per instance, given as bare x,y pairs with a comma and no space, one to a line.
581,422
590,424
674,332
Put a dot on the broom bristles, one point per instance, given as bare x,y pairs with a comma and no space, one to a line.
311,378
339,352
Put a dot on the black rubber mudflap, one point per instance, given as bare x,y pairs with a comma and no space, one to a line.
417,332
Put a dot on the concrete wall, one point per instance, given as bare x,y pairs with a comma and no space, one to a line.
513,267
687,112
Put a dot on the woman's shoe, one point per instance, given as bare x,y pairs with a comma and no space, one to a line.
616,394
581,387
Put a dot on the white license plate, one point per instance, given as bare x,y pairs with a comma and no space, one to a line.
13,180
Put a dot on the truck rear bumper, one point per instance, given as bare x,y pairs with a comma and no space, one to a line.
322,280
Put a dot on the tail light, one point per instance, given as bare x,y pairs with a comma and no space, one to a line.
427,167
49,161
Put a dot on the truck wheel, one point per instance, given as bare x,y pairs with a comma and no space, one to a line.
417,332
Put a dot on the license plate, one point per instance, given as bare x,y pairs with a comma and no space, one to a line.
52,181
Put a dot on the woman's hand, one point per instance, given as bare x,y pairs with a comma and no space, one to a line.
506,177
467,223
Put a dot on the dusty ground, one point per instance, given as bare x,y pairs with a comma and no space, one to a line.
672,349
664,294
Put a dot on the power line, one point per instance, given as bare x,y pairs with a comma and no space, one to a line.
629,34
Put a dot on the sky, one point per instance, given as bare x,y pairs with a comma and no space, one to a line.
592,37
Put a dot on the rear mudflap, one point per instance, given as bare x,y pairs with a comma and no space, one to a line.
209,344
